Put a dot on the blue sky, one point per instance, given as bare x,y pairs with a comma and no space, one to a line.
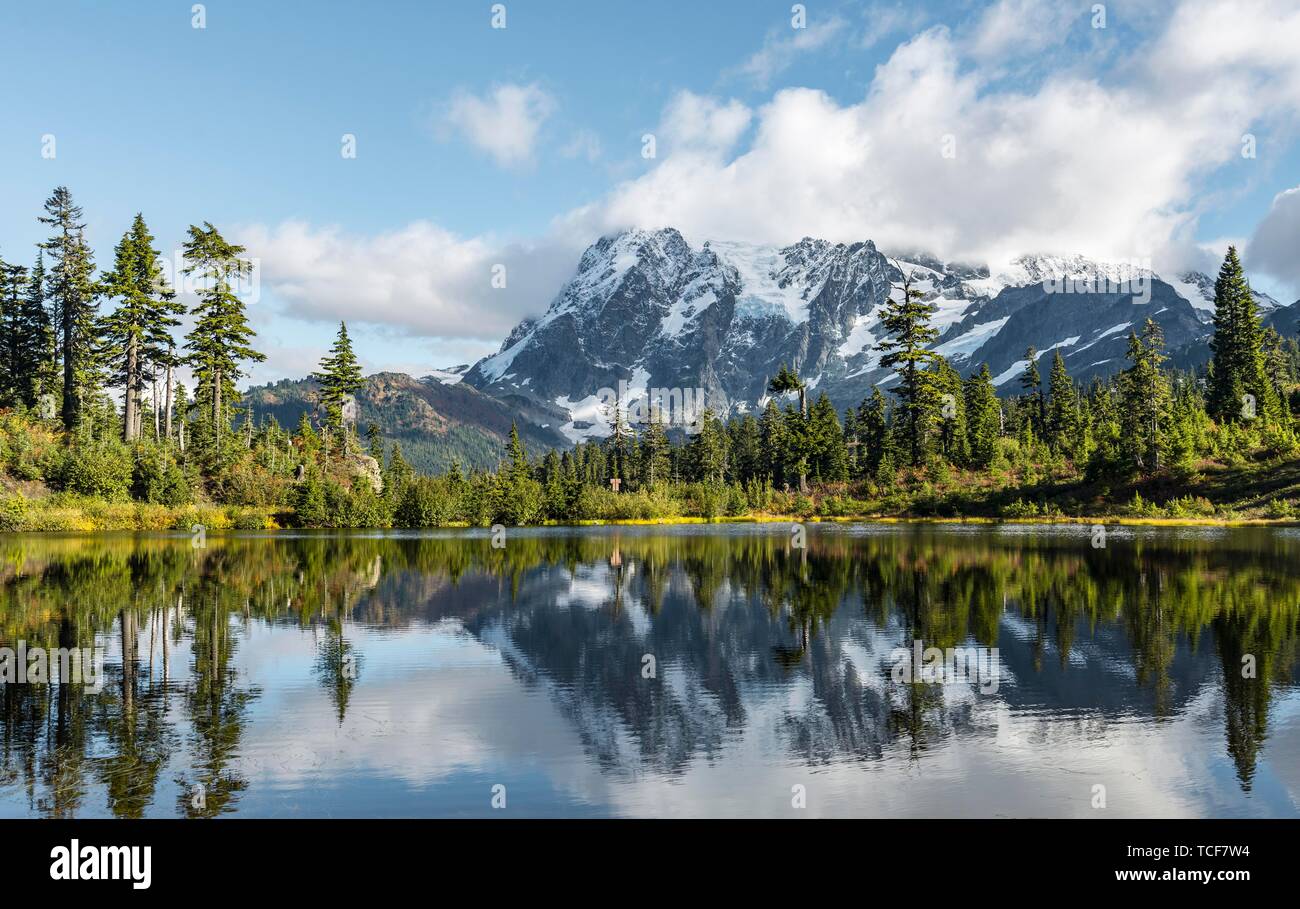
478,146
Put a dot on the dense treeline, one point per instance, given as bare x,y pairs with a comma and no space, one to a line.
934,443
70,337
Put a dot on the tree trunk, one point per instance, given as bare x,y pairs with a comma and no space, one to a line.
803,412
70,408
216,407
168,425
132,389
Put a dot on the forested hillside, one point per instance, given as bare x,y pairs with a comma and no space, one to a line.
437,424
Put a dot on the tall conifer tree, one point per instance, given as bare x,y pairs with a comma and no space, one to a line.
906,320
983,417
221,340
70,288
1239,384
1062,409
138,331
340,377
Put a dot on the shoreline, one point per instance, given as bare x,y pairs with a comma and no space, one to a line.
1106,520
154,519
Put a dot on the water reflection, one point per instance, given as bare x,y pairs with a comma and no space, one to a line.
400,674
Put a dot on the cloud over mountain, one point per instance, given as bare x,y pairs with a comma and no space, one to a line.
1104,155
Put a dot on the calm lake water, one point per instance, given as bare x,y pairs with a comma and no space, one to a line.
695,671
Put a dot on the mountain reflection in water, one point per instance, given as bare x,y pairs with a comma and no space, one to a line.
409,674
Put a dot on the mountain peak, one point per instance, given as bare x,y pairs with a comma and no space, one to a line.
647,312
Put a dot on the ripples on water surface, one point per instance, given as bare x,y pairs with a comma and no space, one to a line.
407,675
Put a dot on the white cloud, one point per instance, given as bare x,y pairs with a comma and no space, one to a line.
504,123
694,122
1275,246
883,20
1109,166
1011,27
1073,163
421,278
781,48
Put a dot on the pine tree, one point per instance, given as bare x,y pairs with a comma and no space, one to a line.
620,450
221,338
653,455
983,418
829,458
798,445
852,441
399,473
1239,383
954,441
71,290
873,431
785,381
1063,409
138,333
516,463
906,320
1032,383
1144,396
708,450
13,340
772,431
41,366
555,490
746,446
340,377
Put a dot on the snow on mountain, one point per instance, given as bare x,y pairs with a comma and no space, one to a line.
1198,289
647,309
720,318
451,375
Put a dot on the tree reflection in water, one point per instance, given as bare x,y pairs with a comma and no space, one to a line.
724,611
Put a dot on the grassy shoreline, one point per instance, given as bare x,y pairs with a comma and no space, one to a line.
110,517
1110,520
1261,494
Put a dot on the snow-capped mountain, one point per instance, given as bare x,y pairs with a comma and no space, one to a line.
647,309
449,376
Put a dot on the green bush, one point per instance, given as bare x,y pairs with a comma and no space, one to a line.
13,512
253,485
1280,508
736,504
102,471
1020,509
311,505
1190,507
364,507
705,500
158,479
518,501
421,506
